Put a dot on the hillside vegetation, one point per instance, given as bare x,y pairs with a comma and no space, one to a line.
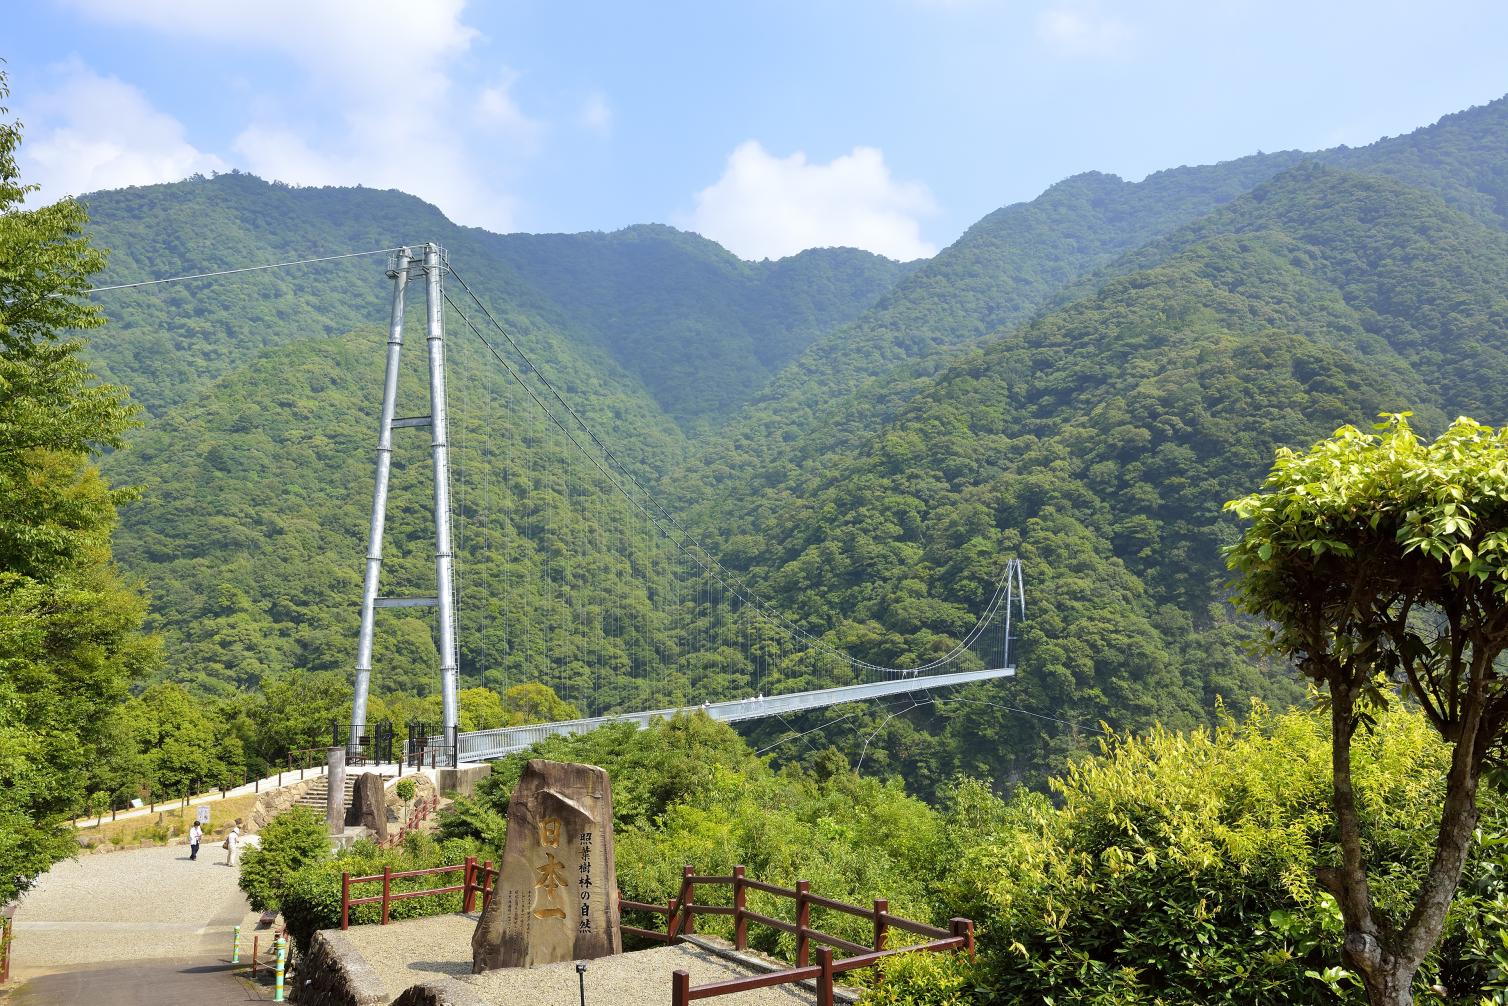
1080,380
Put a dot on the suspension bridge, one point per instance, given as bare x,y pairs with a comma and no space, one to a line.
577,575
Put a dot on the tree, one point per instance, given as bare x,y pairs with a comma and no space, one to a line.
70,627
533,702
1380,558
294,839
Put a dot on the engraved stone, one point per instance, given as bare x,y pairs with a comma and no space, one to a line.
369,805
557,897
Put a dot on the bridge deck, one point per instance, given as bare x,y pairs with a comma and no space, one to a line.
485,745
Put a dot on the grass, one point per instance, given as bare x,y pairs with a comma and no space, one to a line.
171,823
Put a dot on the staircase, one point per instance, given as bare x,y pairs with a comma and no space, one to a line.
316,797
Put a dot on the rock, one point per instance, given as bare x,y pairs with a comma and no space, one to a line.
270,803
338,975
369,805
556,899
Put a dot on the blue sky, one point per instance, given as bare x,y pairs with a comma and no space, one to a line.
768,126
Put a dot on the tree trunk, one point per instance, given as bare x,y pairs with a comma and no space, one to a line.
1391,982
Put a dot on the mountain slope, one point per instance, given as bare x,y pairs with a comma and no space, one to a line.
655,312
1099,441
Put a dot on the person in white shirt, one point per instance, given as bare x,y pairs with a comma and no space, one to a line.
195,834
233,846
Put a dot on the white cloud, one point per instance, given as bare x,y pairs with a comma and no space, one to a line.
769,207
499,111
597,114
94,132
1080,29
381,70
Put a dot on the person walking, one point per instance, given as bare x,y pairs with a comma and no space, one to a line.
233,846
195,834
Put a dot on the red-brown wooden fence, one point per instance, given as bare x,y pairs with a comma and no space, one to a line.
682,910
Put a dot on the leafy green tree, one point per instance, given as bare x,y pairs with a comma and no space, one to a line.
70,626
536,703
291,841
1381,557
1180,867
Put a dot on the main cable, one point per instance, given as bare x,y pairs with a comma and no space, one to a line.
249,268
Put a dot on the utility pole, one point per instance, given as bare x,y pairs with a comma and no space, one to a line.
431,267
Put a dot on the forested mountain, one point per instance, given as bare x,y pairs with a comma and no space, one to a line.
645,312
1099,442
1081,380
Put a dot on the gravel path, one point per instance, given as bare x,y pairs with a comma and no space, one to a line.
131,905
423,950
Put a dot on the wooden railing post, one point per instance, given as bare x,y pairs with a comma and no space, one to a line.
345,901
486,884
680,988
688,899
825,979
881,922
387,891
468,898
803,921
740,922
964,928
255,942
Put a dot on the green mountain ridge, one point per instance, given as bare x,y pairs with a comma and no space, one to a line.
1081,380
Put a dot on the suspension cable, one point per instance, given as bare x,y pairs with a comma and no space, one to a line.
684,540
233,272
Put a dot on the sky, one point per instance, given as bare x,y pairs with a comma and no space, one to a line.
769,126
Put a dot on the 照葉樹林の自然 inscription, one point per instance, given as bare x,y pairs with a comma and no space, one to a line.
556,896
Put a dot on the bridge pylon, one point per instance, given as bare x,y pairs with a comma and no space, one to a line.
430,266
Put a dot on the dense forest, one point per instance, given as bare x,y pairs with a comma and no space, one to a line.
1080,380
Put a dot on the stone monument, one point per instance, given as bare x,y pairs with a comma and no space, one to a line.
557,896
369,805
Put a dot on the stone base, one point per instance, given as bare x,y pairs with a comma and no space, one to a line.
461,781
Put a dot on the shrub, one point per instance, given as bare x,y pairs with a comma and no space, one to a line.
291,841
1181,867
311,896
922,980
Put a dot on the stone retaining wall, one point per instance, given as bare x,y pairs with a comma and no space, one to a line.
337,975
445,992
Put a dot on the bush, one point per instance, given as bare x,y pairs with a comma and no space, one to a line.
292,840
1181,867
922,980
311,896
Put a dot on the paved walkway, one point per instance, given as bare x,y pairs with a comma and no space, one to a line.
194,981
136,905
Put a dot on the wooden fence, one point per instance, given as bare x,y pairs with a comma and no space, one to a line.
5,941
476,878
682,910
681,913
416,817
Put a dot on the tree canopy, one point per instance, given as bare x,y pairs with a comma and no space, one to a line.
70,625
1378,557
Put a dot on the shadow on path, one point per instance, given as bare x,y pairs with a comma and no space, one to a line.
192,981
